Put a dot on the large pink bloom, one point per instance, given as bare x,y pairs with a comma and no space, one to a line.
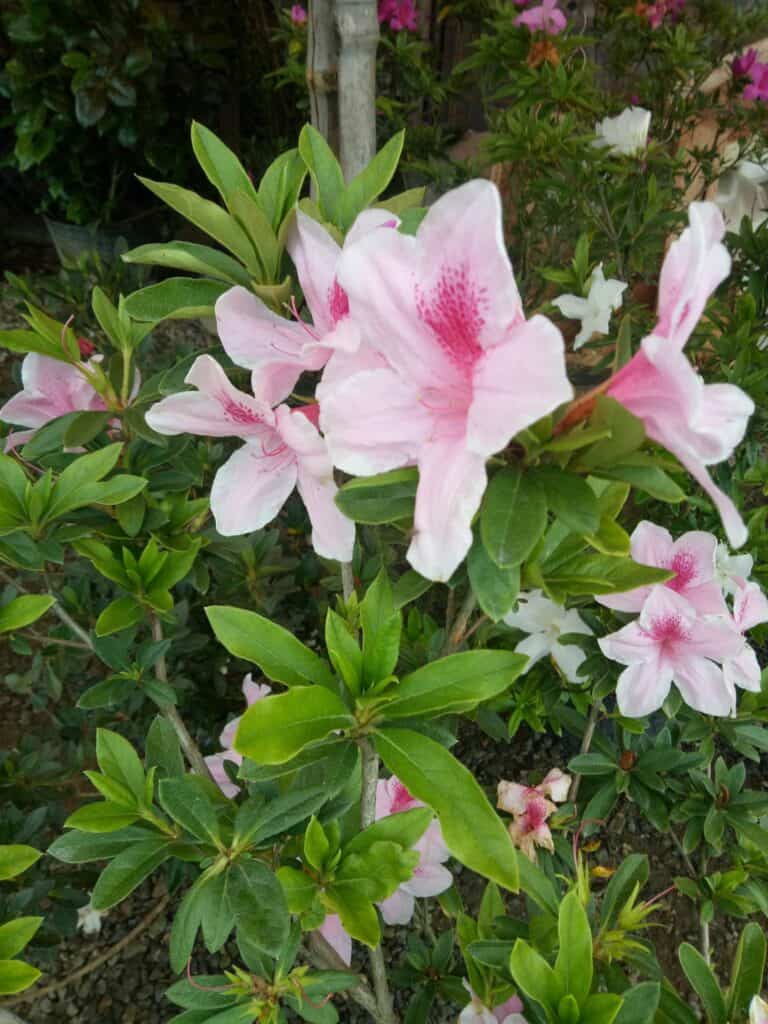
50,388
700,424
670,643
282,450
252,692
465,372
280,350
691,557
547,17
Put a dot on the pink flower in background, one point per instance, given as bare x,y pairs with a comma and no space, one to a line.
670,643
463,370
691,557
252,692
662,10
700,424
758,1011
530,809
280,350
298,14
547,17
476,1012
282,450
750,608
758,88
742,65
50,388
337,936
400,14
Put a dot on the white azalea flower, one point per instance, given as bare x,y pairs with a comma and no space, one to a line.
546,621
743,191
626,134
595,311
89,920
758,1011
729,569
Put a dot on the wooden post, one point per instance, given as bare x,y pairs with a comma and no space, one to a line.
322,70
359,32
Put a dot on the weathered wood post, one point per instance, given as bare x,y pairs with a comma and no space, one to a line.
322,70
358,26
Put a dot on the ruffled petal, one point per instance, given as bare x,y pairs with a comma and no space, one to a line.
250,489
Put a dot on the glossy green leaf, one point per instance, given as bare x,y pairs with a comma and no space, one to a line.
513,517
16,934
128,870
15,859
496,589
23,611
176,298
703,981
384,498
16,976
275,729
219,163
192,258
574,958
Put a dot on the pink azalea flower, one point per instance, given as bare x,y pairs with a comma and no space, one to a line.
476,1012
691,557
465,370
743,64
298,14
758,1011
282,450
280,350
758,88
216,762
337,936
530,810
547,17
750,608
700,424
401,14
50,388
668,644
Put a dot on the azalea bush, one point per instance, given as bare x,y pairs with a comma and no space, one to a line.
284,578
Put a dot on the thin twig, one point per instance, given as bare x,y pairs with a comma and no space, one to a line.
347,580
56,608
75,644
40,993
324,956
458,631
586,743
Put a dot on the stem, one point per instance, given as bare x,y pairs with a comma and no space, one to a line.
39,993
347,580
324,956
125,388
586,743
188,745
370,770
458,630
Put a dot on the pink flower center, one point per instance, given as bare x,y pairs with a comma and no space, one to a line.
239,412
668,629
684,566
401,798
338,302
536,813
454,313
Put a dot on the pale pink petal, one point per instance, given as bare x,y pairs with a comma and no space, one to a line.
50,388
250,489
713,637
431,846
517,383
228,733
428,880
643,688
254,691
556,785
398,908
750,606
693,268
735,528
215,763
333,535
512,797
651,544
451,485
392,797
569,660
703,686
17,438
370,220
315,254
373,422
744,670
279,350
336,935
506,1012
343,365
629,645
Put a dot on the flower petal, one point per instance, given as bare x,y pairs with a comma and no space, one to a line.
250,489
703,686
398,908
643,688
315,254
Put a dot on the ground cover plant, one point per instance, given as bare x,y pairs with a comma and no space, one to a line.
280,576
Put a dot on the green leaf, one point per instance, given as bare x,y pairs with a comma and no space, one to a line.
455,684
15,859
747,970
381,630
324,170
299,889
632,870
275,729
280,186
14,935
85,427
592,764
16,976
384,498
122,613
704,983
219,163
119,761
84,847
106,314
537,886
346,657
192,258
100,817
260,906
79,476
570,497
163,750
128,870
574,958
186,922
640,1004
601,1008
23,611
30,341
472,830
258,822
513,518
405,828
627,434
371,181
189,804
257,226
535,978
495,589
278,653
176,298
651,479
